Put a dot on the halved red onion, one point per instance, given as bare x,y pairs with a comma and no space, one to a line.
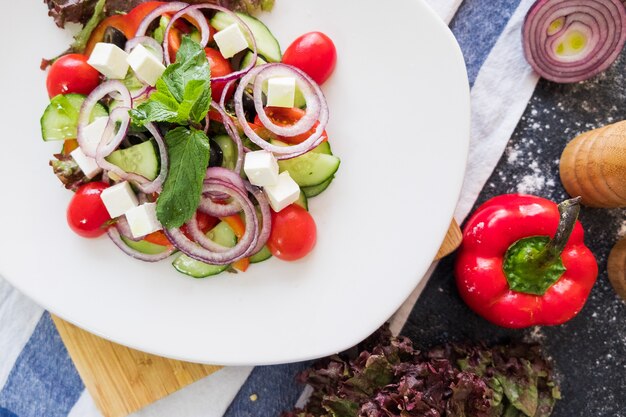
207,6
317,110
231,129
568,41
114,235
84,117
148,42
204,249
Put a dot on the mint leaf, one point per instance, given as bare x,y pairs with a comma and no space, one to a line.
183,93
188,151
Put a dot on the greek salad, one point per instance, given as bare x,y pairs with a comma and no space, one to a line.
187,133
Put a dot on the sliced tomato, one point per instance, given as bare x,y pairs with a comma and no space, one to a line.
287,117
239,228
205,223
219,67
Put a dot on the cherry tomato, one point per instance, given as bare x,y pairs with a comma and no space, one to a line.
314,53
293,233
286,117
72,74
86,214
219,67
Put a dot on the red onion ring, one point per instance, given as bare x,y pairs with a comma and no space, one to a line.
105,148
217,204
313,95
313,101
158,182
146,90
103,90
225,174
124,229
205,250
231,129
114,235
227,87
600,23
148,42
266,214
195,9
172,7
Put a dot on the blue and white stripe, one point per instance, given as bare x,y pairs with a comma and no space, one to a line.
37,377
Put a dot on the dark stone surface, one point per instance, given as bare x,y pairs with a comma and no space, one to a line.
589,352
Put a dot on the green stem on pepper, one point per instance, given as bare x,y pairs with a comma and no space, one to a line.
532,265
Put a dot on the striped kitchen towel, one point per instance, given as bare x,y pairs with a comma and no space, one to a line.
37,378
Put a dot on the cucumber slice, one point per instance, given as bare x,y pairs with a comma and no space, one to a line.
229,151
144,246
310,169
263,255
324,148
316,190
303,201
60,119
222,234
266,43
248,57
141,159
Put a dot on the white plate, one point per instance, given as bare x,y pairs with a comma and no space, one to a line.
399,121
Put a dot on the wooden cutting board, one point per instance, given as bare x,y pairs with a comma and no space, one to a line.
122,380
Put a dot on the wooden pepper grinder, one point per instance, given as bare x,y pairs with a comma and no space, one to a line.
617,268
593,166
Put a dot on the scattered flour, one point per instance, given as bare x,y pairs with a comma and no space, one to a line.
531,184
622,230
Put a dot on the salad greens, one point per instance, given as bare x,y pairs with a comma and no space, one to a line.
79,11
389,377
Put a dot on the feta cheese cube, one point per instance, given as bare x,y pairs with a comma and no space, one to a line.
92,134
88,165
281,92
143,220
231,41
285,192
147,67
261,168
109,60
119,199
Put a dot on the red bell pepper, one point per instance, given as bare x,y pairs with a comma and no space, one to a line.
523,262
